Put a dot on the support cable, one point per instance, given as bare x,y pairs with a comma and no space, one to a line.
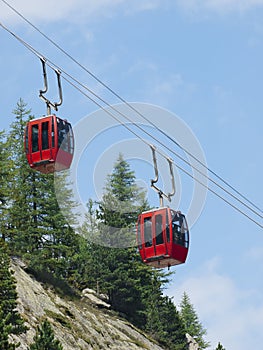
163,155
69,80
131,106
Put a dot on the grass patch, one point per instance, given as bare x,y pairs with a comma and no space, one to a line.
60,286
58,318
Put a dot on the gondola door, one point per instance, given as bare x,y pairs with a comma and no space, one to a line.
46,140
152,230
34,143
148,238
39,142
159,230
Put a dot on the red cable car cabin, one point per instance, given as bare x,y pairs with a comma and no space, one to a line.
49,144
162,237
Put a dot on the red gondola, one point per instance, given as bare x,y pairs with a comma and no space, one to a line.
162,237
49,144
162,234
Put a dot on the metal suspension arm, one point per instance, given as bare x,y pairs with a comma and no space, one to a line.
172,179
44,91
153,181
41,92
59,103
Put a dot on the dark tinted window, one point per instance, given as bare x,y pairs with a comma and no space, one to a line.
148,232
65,136
180,231
45,135
35,138
159,229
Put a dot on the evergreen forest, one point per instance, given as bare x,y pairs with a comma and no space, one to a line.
33,228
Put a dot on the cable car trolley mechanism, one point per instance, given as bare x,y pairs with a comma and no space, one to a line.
162,233
49,141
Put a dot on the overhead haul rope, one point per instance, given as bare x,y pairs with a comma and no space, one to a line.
163,155
133,108
55,67
52,65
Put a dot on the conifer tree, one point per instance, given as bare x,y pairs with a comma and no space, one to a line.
8,295
3,169
58,240
220,347
133,288
45,338
115,269
191,322
174,335
4,185
118,211
163,320
21,198
5,330
36,228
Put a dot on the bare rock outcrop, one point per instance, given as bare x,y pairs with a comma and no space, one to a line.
84,324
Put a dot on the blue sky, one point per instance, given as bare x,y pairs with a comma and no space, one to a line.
200,60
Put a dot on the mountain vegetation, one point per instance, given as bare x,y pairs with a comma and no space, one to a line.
45,339
104,257
191,322
10,320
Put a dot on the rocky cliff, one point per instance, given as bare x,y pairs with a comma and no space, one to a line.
82,324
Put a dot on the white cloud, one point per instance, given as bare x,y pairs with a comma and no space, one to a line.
72,10
219,6
169,85
169,88
142,66
157,86
80,10
255,254
232,315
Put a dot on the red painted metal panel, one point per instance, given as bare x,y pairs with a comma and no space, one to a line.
168,248
42,144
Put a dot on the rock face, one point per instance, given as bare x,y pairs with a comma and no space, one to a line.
85,324
193,345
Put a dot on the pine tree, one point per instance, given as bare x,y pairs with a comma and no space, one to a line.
3,169
163,320
113,268
174,331
220,347
118,211
37,228
134,289
191,322
4,185
21,200
58,240
8,294
5,330
45,339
